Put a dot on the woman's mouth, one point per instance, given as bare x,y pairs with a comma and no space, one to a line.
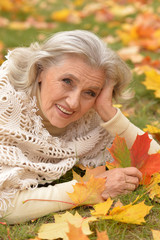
63,110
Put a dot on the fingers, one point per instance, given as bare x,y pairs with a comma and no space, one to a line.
132,171
132,180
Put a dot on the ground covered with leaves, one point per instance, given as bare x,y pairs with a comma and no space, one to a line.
132,28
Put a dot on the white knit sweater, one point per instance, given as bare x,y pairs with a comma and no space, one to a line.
30,155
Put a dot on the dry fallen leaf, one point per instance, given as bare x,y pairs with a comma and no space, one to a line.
152,81
153,130
154,187
88,193
156,234
131,213
76,233
60,227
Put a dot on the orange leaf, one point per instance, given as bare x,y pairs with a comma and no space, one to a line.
89,172
151,166
89,192
137,156
76,233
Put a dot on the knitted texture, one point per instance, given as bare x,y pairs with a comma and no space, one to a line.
29,155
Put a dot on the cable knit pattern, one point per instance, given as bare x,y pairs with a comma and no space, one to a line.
29,155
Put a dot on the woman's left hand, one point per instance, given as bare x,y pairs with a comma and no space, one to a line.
103,104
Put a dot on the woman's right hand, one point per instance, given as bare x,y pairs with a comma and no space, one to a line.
120,181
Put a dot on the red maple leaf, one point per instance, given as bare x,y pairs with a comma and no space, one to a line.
137,156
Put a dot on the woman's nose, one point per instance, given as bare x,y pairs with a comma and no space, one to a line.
73,100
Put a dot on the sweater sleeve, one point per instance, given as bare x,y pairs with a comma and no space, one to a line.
120,125
20,212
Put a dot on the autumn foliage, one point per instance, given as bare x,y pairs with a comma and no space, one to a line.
137,156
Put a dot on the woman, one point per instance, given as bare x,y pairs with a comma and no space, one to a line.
55,111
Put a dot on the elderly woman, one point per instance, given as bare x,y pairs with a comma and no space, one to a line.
55,111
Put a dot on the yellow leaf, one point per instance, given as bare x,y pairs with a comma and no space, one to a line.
130,213
60,227
61,15
18,25
102,209
152,81
152,129
156,234
89,192
133,214
6,5
154,188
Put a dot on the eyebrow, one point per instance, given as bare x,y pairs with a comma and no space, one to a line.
69,75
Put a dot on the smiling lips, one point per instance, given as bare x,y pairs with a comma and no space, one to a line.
63,110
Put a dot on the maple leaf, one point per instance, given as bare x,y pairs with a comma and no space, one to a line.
120,153
152,81
154,130
76,233
156,234
154,188
60,228
88,193
89,172
131,213
137,156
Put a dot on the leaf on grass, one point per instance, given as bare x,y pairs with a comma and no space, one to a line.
154,130
137,156
156,234
88,193
76,233
89,172
101,209
60,227
152,81
131,213
154,187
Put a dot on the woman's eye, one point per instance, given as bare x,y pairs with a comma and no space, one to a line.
91,93
67,80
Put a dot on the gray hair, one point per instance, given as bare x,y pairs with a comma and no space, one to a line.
25,63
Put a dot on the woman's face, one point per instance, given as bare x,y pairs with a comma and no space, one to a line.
69,89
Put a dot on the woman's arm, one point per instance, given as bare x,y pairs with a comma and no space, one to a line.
120,125
119,180
20,212
115,122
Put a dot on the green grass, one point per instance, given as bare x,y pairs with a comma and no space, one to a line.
143,109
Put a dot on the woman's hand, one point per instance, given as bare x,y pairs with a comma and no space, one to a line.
120,181
103,104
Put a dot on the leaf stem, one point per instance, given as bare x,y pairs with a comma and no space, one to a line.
48,200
